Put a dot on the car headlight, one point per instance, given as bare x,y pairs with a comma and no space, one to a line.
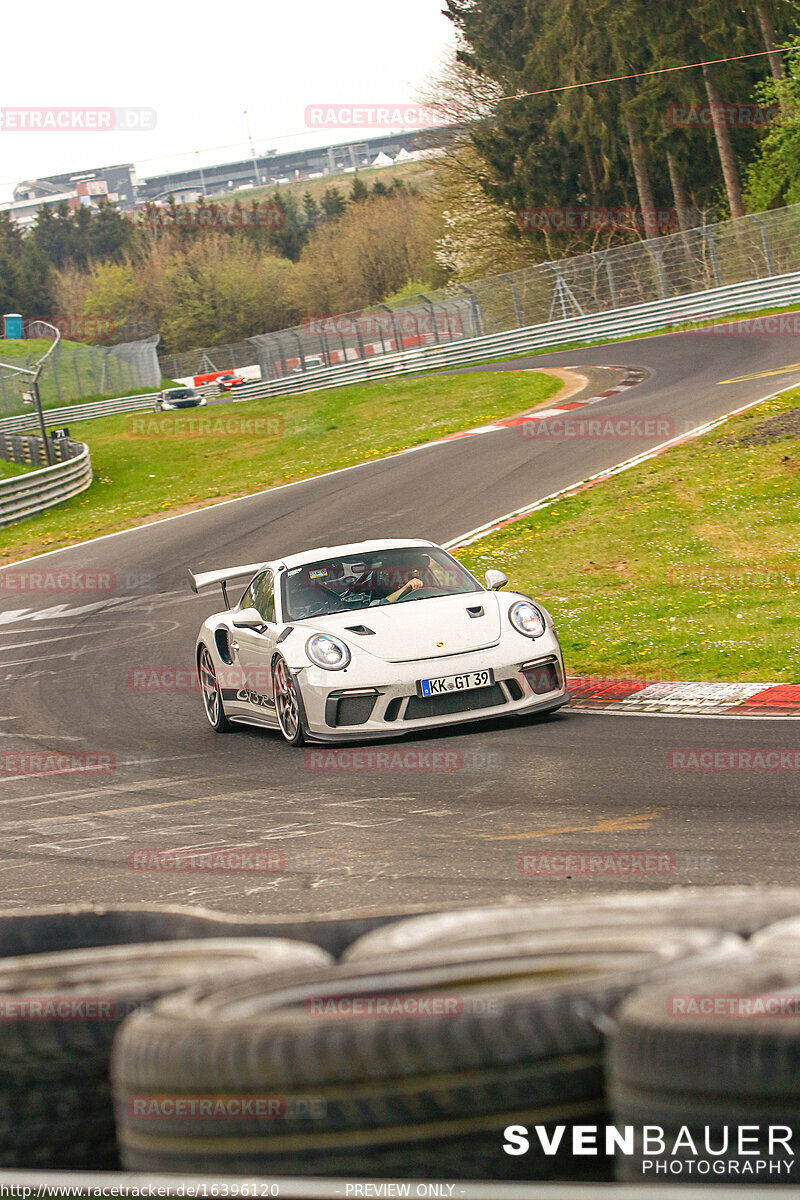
327,652
526,619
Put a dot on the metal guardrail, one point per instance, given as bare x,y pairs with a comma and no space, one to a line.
776,292
779,291
81,412
25,495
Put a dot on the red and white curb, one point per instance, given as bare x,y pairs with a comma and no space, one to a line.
705,699
632,376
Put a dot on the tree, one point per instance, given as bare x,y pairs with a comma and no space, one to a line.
333,203
773,178
311,210
359,191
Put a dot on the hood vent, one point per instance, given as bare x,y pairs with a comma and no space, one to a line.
476,612
361,630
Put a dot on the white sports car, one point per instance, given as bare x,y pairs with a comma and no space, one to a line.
373,640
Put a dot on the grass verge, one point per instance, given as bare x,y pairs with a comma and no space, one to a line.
148,465
687,567
9,469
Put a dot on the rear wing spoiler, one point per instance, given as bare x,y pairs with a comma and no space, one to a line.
208,578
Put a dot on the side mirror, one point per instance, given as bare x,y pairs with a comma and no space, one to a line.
495,580
248,618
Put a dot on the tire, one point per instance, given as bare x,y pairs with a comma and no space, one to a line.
515,1037
80,928
737,910
55,1096
288,703
210,689
671,1067
783,938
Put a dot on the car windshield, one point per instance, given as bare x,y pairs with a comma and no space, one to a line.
181,393
380,577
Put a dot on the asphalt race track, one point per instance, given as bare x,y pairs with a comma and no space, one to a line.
359,839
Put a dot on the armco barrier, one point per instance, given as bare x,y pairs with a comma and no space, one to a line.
79,412
777,292
25,495
781,291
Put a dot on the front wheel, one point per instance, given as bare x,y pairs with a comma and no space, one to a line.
287,703
212,696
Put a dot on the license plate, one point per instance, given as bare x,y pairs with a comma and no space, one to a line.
455,683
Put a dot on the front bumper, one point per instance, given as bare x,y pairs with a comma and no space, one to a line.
338,709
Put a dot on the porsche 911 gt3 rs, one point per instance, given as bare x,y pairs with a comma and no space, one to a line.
373,640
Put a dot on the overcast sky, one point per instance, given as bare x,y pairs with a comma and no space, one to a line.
199,65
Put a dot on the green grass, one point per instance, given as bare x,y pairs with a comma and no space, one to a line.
32,348
10,469
150,464
687,567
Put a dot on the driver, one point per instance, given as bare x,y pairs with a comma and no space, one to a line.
419,567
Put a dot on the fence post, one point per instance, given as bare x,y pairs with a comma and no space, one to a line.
765,243
55,379
612,283
712,250
476,309
662,278
511,281
432,307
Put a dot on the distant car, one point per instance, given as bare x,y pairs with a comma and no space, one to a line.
314,362
226,383
373,640
180,397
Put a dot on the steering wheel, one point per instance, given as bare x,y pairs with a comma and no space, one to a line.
422,593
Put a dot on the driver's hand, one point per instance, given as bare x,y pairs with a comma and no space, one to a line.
415,584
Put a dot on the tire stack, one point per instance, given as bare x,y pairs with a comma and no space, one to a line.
59,1013
709,1053
413,1065
222,1050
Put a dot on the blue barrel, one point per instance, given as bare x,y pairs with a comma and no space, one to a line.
12,325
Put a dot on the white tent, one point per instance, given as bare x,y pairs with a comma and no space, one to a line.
383,160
